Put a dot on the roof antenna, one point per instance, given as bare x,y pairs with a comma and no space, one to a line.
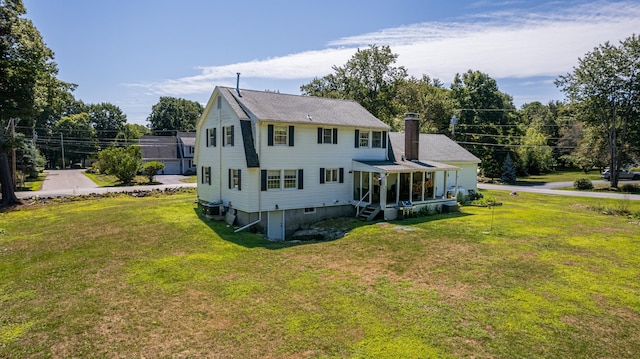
238,84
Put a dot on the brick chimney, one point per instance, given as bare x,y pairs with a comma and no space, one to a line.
411,136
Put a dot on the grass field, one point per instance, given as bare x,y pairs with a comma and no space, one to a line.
538,277
560,176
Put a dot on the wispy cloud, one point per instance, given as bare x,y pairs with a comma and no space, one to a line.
504,44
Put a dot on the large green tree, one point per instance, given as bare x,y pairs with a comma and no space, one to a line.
108,120
486,119
171,115
26,66
369,77
605,88
429,99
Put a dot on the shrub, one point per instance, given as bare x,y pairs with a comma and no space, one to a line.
583,184
150,169
629,187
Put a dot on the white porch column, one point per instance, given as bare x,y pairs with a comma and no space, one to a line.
424,179
444,188
383,191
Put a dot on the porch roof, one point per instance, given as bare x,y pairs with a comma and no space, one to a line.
401,166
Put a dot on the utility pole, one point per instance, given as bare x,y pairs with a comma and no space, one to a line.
13,157
62,144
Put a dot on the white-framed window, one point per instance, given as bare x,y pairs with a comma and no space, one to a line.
327,135
331,175
235,179
205,173
280,134
273,179
227,132
363,141
309,210
290,179
376,139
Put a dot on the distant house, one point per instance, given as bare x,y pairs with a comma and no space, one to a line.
187,148
278,161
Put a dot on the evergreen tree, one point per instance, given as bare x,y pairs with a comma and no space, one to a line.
508,171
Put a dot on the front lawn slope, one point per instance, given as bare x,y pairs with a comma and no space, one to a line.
538,277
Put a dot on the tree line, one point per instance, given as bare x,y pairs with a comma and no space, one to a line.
598,127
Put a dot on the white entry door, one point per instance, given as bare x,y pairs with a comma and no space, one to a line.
275,230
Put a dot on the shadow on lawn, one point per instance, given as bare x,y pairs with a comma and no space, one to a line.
250,239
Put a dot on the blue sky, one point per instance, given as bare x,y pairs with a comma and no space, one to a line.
131,52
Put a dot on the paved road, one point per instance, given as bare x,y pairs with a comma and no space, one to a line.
548,189
63,183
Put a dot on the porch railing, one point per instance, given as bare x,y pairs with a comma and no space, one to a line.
366,195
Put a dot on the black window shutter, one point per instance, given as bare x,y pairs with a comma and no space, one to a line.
319,134
357,138
202,174
335,136
209,175
341,175
214,136
239,180
384,139
321,175
291,142
232,136
269,135
230,178
263,180
300,179
208,137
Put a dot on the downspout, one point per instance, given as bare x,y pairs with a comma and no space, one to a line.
259,189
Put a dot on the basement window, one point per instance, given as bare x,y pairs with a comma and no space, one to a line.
309,210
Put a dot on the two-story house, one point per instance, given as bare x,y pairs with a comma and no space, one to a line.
278,161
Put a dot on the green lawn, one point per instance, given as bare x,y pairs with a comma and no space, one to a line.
560,176
538,277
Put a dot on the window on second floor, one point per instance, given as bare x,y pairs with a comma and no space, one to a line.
227,133
376,139
363,140
327,135
280,135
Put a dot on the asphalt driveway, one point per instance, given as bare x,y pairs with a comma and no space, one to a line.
62,183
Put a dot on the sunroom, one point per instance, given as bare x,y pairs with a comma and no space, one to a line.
392,187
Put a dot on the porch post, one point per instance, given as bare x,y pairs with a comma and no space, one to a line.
457,183
383,191
444,188
411,186
370,188
424,176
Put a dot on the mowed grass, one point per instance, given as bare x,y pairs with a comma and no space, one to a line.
560,176
538,277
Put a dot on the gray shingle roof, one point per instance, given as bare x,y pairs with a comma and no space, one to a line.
276,107
159,147
187,138
433,147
